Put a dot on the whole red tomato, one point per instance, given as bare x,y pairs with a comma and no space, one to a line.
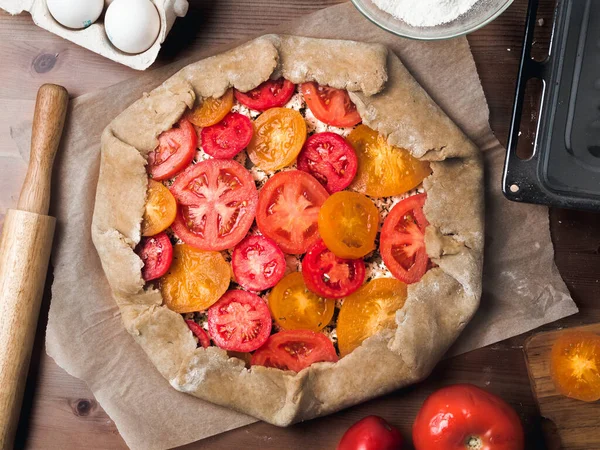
465,417
371,433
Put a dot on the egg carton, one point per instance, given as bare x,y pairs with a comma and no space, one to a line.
94,37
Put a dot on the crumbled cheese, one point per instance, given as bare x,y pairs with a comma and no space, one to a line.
331,333
259,175
293,264
297,103
244,110
375,268
200,317
385,204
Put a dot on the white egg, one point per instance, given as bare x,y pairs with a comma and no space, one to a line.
132,25
75,13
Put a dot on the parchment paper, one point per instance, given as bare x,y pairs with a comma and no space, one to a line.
522,287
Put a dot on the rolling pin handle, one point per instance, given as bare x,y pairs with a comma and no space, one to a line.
48,122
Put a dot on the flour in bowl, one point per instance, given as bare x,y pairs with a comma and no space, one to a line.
425,13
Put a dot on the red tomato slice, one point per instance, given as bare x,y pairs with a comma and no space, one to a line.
156,252
330,105
294,350
176,149
228,137
288,210
217,203
330,276
240,321
258,263
270,94
268,357
330,159
402,244
199,332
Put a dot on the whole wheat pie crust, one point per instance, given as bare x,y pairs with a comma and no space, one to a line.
390,101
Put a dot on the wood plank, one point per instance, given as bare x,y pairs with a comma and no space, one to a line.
12,163
576,422
59,411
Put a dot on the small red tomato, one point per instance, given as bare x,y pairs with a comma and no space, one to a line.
465,417
402,241
227,138
330,105
330,276
176,149
199,332
371,433
240,321
270,94
156,252
294,350
258,263
330,159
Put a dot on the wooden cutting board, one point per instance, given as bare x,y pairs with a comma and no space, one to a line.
577,423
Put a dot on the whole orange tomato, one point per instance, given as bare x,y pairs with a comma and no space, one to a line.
465,417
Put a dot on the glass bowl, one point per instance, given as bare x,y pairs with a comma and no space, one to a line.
482,13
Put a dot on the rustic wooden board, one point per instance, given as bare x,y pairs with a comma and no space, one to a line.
577,423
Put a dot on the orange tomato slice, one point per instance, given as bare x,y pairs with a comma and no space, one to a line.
279,134
384,170
212,110
195,280
575,365
348,224
160,211
294,307
369,310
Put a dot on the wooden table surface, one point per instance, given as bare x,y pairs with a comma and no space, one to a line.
60,411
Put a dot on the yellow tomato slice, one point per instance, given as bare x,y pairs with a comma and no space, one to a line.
294,307
196,279
160,211
348,224
279,134
211,110
384,170
369,310
576,365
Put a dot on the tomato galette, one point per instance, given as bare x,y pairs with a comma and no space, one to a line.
291,227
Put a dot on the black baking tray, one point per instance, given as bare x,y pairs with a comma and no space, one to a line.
564,170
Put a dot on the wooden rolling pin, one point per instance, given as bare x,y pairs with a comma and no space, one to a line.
24,254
